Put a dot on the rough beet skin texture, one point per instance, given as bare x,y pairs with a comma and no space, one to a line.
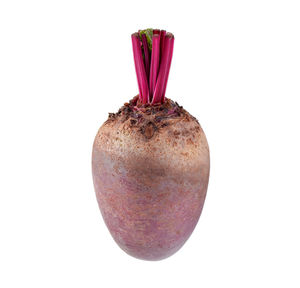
150,167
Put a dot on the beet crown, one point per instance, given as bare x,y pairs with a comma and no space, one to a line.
150,118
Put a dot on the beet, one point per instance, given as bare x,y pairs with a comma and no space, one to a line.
150,164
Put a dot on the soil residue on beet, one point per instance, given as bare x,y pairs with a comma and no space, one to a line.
150,118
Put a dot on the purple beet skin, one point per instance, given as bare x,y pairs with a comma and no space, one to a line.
150,161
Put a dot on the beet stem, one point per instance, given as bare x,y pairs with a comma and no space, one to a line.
135,57
170,56
140,68
154,63
166,58
146,54
162,41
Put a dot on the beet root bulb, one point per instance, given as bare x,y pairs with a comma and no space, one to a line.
150,167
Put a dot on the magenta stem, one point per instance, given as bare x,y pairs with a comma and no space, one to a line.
154,63
140,68
169,61
162,41
135,57
146,55
166,58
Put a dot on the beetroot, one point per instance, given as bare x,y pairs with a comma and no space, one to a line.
150,160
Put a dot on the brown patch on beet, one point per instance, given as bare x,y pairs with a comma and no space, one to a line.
148,130
190,141
133,121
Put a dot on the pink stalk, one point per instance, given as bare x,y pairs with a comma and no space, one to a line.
154,62
168,65
166,57
146,54
162,41
136,68
140,68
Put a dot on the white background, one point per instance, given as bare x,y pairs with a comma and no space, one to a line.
65,64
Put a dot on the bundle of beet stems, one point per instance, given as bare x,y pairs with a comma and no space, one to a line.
152,51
